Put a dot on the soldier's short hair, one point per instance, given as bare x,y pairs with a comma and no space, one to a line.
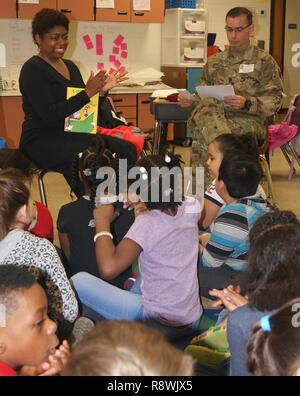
239,11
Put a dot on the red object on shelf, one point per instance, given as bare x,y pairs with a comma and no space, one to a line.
212,50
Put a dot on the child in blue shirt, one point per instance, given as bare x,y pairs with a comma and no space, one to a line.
224,251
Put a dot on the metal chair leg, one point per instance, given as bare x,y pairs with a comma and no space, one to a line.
267,175
40,178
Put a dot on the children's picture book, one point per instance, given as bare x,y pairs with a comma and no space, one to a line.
85,119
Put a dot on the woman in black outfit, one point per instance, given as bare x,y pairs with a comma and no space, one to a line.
44,79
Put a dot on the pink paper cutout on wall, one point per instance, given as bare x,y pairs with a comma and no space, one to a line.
88,42
124,55
99,44
100,66
118,41
112,58
117,64
124,47
122,70
116,50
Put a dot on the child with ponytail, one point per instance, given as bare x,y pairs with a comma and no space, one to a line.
164,238
75,221
274,346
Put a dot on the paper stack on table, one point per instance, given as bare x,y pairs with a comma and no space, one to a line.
144,76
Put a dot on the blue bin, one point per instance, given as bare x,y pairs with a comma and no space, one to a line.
180,3
3,143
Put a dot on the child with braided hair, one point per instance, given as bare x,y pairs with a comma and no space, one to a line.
75,223
164,238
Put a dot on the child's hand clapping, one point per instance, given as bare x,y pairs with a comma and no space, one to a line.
230,297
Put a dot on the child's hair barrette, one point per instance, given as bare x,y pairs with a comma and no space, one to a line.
265,324
87,172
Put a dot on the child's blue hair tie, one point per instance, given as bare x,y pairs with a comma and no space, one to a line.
265,324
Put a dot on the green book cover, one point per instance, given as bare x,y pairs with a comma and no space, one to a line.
85,119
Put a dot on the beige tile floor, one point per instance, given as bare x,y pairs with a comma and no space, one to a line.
287,193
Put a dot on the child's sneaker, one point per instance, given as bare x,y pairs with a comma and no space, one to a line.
130,282
210,348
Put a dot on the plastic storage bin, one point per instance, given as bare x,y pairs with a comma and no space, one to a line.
3,143
181,3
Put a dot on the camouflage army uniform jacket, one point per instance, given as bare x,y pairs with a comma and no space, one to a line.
262,86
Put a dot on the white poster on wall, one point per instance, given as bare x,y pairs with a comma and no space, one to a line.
29,1
141,5
105,4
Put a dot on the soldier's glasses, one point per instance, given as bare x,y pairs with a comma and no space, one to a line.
236,30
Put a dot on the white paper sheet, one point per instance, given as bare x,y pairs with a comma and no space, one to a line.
29,1
163,93
141,5
105,4
215,91
2,56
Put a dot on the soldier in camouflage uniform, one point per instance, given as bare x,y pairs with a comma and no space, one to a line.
257,83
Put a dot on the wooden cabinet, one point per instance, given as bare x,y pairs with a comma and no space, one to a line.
11,119
124,12
155,15
8,9
82,10
135,108
120,13
27,11
126,106
145,118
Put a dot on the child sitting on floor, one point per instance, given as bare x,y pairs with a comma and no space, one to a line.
121,348
217,149
224,251
28,344
75,221
37,254
274,346
42,223
165,238
272,278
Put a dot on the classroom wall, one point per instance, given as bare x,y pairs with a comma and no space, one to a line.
142,40
217,10
292,50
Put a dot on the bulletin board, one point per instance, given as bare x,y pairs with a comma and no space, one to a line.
15,35
92,46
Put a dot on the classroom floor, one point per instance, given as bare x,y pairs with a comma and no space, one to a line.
287,193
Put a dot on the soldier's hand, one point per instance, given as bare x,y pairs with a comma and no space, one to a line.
235,101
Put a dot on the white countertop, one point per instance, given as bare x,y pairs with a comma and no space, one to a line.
14,92
119,90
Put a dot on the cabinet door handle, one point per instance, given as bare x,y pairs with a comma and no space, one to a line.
146,101
66,11
122,13
117,100
139,13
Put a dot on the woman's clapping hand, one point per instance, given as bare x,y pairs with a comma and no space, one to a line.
103,82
